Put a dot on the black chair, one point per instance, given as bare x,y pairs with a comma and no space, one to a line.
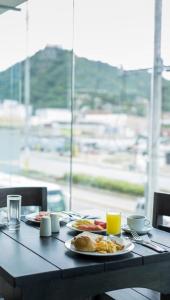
161,208
31,196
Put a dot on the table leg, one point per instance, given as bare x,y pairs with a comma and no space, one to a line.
164,297
8,292
30,296
101,297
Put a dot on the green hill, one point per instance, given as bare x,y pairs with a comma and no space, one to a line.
97,84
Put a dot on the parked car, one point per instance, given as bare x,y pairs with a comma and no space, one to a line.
57,199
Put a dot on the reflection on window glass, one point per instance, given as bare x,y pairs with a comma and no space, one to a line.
164,153
35,97
166,32
113,57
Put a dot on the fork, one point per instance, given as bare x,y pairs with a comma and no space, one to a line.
138,239
136,236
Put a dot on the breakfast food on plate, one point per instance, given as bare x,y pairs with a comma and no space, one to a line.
85,243
89,242
89,225
101,223
83,222
92,227
108,246
41,214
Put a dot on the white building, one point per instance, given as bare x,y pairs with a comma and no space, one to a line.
51,115
12,111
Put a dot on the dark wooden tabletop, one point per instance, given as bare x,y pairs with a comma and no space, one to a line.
46,269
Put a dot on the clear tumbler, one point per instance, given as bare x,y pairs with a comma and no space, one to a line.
14,211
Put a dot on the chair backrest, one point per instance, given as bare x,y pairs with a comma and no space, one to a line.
31,196
161,207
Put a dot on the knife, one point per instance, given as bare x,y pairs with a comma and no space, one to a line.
152,246
78,216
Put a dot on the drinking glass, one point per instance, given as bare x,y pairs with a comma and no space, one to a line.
113,222
14,211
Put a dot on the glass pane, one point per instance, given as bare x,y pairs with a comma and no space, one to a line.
166,32
164,156
12,112
113,57
41,85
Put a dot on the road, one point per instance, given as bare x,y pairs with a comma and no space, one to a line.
96,201
94,198
84,198
58,166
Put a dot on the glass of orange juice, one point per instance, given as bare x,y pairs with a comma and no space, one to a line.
113,222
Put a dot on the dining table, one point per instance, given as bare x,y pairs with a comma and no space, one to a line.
34,267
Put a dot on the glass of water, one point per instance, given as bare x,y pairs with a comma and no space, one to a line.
14,211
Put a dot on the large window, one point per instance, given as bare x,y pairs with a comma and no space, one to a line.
75,90
164,165
36,97
113,57
12,111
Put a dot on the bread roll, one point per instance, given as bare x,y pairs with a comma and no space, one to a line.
84,243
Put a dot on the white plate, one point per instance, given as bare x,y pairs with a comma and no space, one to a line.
31,217
145,230
128,248
70,225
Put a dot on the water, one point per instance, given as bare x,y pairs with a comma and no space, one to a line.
14,211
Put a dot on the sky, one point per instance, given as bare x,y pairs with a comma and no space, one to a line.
119,32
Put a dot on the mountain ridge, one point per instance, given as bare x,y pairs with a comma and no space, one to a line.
97,84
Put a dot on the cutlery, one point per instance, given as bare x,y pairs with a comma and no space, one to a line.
72,216
75,215
138,239
70,213
90,217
